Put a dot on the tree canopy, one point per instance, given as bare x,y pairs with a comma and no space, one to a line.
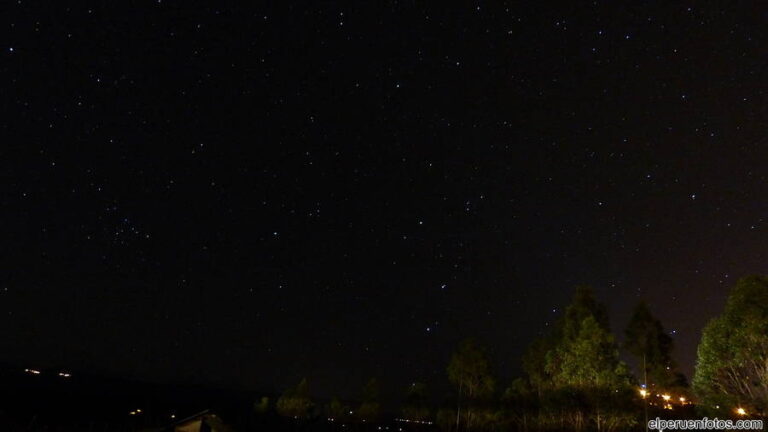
470,372
295,401
576,371
732,363
591,360
652,347
370,408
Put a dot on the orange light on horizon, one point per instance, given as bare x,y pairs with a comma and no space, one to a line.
741,411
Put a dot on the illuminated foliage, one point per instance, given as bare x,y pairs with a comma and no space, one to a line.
732,364
470,372
295,402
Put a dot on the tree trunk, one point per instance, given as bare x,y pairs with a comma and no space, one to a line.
458,406
598,418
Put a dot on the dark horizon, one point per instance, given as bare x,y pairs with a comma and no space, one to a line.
247,195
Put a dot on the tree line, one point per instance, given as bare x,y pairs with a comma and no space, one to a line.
574,378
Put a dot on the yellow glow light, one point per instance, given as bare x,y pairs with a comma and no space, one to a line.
741,411
643,392
666,397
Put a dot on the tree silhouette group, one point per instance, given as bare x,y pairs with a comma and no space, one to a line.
575,379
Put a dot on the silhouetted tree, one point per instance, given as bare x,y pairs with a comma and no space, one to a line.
534,362
591,360
295,401
590,365
543,351
415,406
370,408
576,373
262,405
470,372
732,365
582,306
520,404
647,341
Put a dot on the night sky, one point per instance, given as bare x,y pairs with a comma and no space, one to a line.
245,195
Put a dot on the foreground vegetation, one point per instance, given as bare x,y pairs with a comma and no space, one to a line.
575,379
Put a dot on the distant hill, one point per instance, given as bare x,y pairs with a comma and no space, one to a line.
77,400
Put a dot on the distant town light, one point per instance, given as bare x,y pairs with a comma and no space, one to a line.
643,393
666,397
413,421
64,374
741,411
32,371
